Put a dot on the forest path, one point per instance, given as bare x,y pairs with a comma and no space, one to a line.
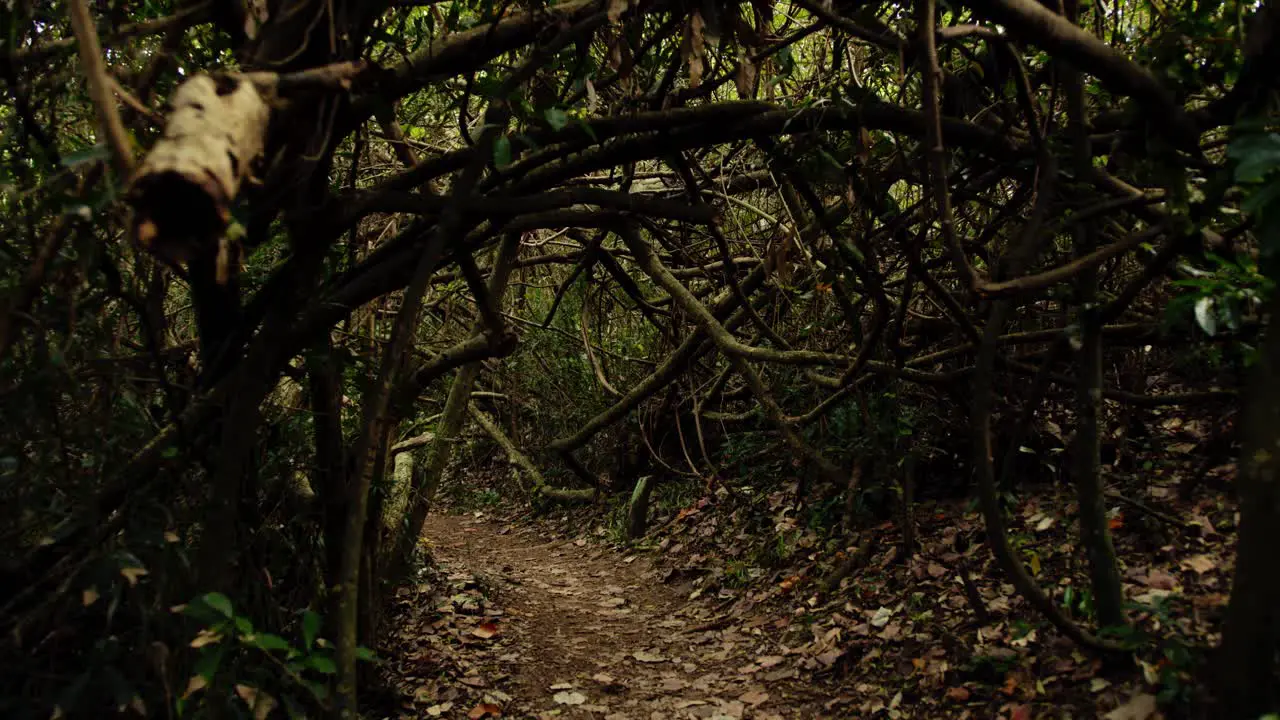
586,632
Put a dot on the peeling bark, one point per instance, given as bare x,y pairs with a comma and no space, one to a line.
184,188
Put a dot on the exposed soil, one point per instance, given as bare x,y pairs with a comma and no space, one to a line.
561,628
731,608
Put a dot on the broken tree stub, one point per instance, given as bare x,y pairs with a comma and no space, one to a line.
183,190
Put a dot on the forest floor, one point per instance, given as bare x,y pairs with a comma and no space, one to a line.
558,628
735,606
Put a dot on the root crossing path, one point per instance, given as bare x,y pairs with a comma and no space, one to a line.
580,631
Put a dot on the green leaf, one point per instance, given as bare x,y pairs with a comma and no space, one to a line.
322,664
207,664
219,602
1255,155
1262,199
318,690
267,642
586,127
502,152
310,628
487,86
364,653
556,118
85,155
1206,318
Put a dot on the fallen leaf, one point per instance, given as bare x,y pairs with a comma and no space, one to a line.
881,618
829,657
569,698
958,694
484,710
1206,527
673,685
754,698
89,596
1200,563
647,657
1140,707
441,709
1160,579
484,631
783,674
769,661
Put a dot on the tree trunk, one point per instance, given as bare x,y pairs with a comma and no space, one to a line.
522,461
455,409
1104,576
404,468
1247,684
638,508
908,502
363,467
325,387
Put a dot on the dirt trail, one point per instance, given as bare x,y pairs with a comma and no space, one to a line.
586,632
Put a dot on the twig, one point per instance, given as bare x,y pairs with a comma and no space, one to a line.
128,99
934,149
1049,278
974,597
1163,517
95,72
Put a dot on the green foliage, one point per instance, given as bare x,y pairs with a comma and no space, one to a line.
502,152
1078,602
1221,296
737,574
996,665
1256,157
238,664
